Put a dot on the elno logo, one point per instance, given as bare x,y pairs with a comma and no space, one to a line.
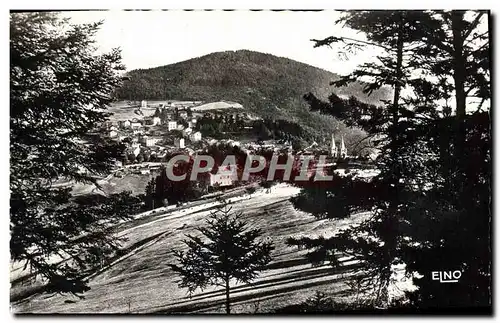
446,276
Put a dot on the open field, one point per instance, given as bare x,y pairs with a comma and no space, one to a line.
141,281
221,105
136,183
122,111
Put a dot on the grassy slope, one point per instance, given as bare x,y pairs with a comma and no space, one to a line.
143,282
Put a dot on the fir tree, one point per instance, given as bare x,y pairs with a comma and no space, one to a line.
59,89
227,250
458,208
377,242
424,203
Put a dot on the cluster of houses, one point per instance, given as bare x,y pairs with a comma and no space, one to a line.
147,136
151,136
226,175
142,128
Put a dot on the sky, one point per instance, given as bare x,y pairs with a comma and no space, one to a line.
154,38
161,37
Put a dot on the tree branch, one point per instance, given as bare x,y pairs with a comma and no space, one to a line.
473,25
333,39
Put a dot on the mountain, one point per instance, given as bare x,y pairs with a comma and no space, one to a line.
264,84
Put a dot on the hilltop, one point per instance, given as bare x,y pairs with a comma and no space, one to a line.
264,84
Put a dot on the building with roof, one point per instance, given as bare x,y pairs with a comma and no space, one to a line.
195,136
172,125
124,124
135,125
179,143
224,177
113,134
150,141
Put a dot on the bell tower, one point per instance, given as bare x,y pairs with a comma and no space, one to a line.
343,149
333,149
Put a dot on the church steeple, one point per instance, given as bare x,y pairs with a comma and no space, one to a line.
343,149
333,150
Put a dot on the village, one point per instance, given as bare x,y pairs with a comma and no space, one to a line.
160,130
149,138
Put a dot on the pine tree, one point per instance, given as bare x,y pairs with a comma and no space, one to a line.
457,54
59,89
140,158
226,250
459,207
375,242
131,158
263,132
425,203
150,196
176,191
158,112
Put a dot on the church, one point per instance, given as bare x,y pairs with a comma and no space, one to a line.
334,153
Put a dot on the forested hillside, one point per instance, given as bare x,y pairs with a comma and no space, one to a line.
267,85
